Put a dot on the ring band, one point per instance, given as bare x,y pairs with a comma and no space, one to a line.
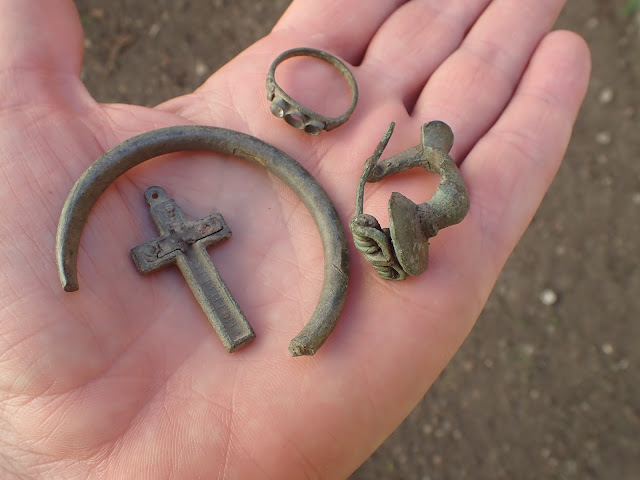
296,115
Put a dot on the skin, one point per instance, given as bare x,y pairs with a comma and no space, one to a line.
125,378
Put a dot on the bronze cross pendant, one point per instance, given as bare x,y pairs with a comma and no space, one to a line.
185,243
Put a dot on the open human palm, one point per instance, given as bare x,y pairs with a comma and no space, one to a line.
126,378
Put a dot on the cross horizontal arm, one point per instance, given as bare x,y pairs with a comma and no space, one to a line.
161,252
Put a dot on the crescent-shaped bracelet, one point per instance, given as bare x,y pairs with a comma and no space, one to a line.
104,171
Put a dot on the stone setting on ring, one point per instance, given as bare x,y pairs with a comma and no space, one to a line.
298,116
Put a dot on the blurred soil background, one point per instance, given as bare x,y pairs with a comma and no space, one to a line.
547,384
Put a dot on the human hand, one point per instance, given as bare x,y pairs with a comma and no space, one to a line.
125,378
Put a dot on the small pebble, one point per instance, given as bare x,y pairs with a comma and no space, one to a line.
622,365
602,159
606,95
635,198
154,30
571,467
629,112
528,350
201,69
603,138
548,297
534,394
97,13
545,452
592,23
607,349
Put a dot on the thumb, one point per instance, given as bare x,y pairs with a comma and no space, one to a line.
41,41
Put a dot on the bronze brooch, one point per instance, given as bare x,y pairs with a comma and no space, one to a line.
403,248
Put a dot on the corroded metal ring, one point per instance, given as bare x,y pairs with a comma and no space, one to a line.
298,116
136,150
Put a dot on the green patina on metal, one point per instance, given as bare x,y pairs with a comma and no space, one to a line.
403,248
297,115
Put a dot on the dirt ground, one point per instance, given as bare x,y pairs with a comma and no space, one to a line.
544,386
